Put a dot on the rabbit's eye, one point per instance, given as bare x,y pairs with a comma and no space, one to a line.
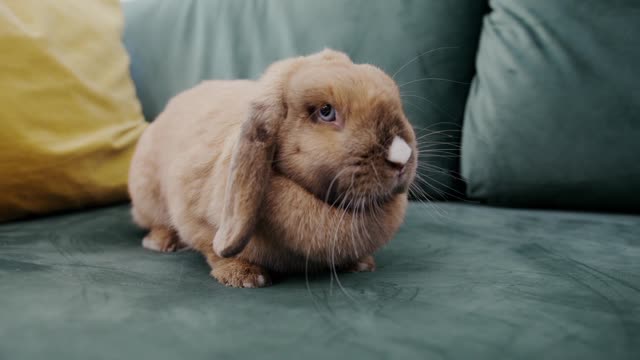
327,113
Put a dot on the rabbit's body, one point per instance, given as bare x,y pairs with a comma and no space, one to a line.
173,182
189,179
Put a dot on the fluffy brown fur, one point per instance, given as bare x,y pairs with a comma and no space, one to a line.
248,174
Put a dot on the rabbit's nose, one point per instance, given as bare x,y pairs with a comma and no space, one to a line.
399,152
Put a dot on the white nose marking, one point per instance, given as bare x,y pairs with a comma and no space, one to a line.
399,151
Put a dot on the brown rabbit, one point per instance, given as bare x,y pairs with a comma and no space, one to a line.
305,169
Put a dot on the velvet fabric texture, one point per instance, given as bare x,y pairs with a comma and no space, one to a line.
458,282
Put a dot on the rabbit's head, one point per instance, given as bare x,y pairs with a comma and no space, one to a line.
335,128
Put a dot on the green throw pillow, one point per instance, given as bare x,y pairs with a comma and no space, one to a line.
176,44
553,117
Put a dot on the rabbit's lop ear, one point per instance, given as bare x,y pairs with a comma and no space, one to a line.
248,178
251,164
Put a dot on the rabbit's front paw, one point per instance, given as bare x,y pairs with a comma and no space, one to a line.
239,273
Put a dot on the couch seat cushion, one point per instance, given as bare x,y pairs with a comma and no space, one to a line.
458,282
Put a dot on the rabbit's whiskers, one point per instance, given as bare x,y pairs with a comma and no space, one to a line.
335,239
419,56
435,106
326,198
424,199
435,79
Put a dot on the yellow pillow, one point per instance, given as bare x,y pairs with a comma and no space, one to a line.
69,116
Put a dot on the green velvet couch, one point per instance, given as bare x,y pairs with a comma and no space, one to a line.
461,280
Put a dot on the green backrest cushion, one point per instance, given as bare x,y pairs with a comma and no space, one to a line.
553,116
176,44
